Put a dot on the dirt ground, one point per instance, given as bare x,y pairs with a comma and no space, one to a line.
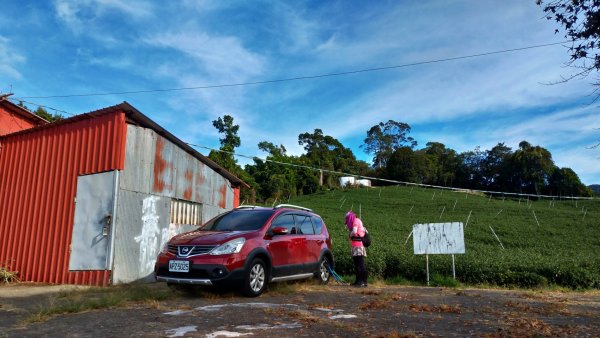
308,310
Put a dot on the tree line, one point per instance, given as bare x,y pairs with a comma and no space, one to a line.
529,169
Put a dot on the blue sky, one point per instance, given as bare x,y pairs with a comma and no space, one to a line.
67,47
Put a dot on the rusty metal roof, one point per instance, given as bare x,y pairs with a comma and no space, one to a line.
136,117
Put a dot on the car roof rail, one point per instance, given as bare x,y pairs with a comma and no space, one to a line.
248,207
292,206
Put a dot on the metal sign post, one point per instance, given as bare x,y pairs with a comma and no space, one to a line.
427,264
453,268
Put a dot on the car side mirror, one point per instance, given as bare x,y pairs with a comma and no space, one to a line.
279,231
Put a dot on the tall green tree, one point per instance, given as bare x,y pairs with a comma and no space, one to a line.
470,171
565,182
229,142
496,169
384,138
326,152
532,167
442,162
407,165
277,181
225,158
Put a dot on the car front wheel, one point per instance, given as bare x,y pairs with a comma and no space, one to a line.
255,281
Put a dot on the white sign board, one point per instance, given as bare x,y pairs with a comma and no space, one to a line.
439,238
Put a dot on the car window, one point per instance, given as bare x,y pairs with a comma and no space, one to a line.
304,224
238,220
318,224
286,221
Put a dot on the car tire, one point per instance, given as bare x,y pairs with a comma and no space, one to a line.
255,280
322,274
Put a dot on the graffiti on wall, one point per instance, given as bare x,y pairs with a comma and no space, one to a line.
167,234
149,238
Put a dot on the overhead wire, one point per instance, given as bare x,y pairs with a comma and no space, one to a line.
490,192
21,100
307,77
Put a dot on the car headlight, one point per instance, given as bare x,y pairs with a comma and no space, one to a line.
233,246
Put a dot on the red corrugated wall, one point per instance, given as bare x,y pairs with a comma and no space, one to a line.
38,177
11,122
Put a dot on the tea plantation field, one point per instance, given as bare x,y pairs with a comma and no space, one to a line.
543,242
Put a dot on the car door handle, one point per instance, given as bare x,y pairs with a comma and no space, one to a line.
320,241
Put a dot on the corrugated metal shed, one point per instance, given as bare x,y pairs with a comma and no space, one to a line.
38,175
39,171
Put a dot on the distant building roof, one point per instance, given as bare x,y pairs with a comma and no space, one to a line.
21,111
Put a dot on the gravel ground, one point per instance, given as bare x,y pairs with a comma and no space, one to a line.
307,310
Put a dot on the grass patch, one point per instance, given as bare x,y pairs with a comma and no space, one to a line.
97,298
443,281
444,308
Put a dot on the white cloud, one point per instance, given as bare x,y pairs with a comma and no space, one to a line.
118,62
223,58
573,125
79,15
135,9
9,59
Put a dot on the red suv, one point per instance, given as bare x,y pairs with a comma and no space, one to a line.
249,246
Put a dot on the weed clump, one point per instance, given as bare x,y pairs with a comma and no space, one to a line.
7,276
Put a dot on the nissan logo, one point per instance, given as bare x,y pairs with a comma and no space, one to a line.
185,249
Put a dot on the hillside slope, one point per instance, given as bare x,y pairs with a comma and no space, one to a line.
545,242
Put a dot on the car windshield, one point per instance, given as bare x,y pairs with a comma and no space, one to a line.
238,220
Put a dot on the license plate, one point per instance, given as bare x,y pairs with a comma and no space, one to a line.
179,266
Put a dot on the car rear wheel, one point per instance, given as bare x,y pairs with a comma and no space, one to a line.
323,274
255,281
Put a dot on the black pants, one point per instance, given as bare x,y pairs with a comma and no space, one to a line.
360,269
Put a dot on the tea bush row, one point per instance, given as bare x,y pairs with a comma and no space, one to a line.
545,242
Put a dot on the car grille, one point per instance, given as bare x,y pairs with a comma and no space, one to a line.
190,250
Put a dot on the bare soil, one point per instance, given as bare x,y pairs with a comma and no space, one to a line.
307,310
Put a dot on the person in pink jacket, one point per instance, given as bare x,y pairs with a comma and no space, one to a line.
359,252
